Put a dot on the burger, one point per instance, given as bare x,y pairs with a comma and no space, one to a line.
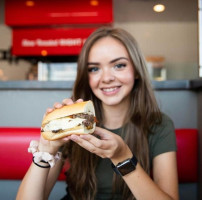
78,118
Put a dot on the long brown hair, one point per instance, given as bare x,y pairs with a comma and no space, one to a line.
143,114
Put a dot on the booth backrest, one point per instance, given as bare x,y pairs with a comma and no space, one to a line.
15,159
187,155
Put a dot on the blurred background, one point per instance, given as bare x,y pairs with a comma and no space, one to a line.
168,39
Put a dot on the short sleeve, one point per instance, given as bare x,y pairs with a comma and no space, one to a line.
163,138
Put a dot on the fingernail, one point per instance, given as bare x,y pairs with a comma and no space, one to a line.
49,110
58,105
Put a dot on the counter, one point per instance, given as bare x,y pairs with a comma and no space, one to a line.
63,85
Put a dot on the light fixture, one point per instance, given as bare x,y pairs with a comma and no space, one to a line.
29,3
159,8
44,53
94,2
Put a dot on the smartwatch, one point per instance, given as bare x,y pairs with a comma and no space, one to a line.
125,167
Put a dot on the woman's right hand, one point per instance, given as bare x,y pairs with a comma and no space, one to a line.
52,147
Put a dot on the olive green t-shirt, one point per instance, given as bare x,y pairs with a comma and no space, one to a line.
161,139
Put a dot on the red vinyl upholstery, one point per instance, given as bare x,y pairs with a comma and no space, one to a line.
187,154
15,159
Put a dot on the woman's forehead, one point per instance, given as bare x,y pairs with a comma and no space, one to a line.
107,47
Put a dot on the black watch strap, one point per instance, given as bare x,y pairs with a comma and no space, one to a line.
125,167
115,169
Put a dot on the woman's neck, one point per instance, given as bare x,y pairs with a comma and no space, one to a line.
114,116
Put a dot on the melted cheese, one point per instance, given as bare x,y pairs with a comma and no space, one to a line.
63,123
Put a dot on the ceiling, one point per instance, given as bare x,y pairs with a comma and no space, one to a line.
142,10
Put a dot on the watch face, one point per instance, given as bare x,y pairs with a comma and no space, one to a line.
125,167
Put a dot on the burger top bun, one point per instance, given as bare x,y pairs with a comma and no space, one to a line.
80,107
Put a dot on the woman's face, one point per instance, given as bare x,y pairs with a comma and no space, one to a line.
111,74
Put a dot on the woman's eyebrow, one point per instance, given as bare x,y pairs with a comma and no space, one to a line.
112,61
92,63
116,59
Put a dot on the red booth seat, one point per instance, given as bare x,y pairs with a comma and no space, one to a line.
15,159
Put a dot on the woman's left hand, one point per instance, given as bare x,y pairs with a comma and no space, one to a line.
106,145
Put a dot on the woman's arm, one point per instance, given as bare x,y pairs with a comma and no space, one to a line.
109,145
165,168
52,178
35,185
38,182
165,184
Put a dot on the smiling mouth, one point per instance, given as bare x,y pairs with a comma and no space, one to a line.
110,89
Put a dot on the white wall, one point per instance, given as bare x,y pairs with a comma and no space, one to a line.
176,41
16,70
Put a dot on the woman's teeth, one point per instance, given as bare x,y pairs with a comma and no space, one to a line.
109,89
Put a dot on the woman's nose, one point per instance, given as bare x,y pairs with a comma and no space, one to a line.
108,76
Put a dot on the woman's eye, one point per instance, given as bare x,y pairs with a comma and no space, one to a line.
93,69
119,66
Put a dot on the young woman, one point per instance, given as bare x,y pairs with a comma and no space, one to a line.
134,140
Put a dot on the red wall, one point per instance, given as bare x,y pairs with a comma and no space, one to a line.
50,27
